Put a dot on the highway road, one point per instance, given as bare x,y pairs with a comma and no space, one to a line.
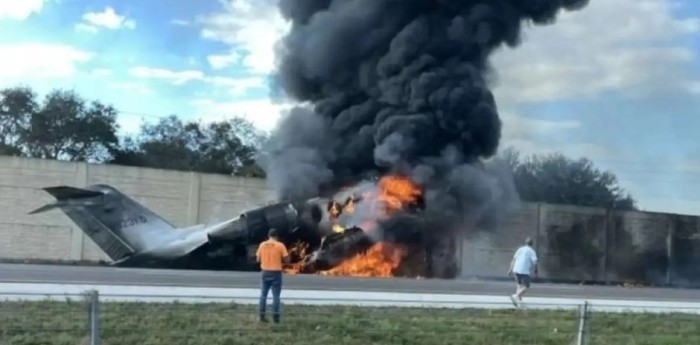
21,273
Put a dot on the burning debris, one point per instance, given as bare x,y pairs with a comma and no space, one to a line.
355,245
381,260
397,90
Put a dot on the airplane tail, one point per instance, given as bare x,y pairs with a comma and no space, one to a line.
120,226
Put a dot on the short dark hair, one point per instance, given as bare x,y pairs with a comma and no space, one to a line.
273,233
529,241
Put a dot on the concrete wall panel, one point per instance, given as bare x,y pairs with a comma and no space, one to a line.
572,242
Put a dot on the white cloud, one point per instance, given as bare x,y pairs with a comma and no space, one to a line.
252,26
613,45
224,60
101,72
237,86
592,151
694,87
29,61
20,9
108,19
175,77
263,113
516,126
180,22
131,86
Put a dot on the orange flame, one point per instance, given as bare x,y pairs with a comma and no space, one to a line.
382,259
298,251
379,261
334,210
397,192
349,206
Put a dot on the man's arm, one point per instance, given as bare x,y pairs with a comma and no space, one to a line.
257,255
512,262
534,262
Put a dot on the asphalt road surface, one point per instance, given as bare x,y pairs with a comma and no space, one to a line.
20,273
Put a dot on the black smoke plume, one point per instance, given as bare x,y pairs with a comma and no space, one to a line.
397,86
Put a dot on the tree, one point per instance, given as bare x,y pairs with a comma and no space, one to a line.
216,147
17,105
556,179
247,133
64,126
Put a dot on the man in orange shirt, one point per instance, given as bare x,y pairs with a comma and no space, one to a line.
271,255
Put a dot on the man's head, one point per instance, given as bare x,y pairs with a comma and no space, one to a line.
273,233
529,241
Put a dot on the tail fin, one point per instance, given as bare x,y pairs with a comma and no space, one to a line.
120,226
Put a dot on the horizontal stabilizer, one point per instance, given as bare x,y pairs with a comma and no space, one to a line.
47,207
66,197
67,193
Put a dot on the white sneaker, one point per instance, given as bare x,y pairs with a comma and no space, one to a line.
514,300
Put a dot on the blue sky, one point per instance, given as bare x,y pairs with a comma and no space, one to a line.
148,58
618,82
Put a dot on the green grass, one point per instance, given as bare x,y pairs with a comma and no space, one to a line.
60,323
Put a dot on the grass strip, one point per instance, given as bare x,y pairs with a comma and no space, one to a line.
66,323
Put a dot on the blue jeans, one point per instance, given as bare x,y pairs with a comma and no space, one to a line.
271,279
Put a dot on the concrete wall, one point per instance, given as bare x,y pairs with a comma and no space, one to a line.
181,197
575,243
591,244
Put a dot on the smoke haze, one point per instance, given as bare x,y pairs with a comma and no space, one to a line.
397,86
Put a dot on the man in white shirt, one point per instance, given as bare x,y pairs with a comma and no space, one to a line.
524,265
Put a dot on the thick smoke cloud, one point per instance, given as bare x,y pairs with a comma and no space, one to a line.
397,86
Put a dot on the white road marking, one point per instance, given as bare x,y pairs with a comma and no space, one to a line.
26,291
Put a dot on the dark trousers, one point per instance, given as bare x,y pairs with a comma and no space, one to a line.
271,280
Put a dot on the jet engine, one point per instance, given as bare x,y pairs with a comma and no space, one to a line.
290,219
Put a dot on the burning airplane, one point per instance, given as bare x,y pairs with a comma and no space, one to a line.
324,235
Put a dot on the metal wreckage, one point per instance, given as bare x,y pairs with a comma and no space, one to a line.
340,235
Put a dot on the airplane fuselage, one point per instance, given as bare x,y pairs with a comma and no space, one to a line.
134,236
